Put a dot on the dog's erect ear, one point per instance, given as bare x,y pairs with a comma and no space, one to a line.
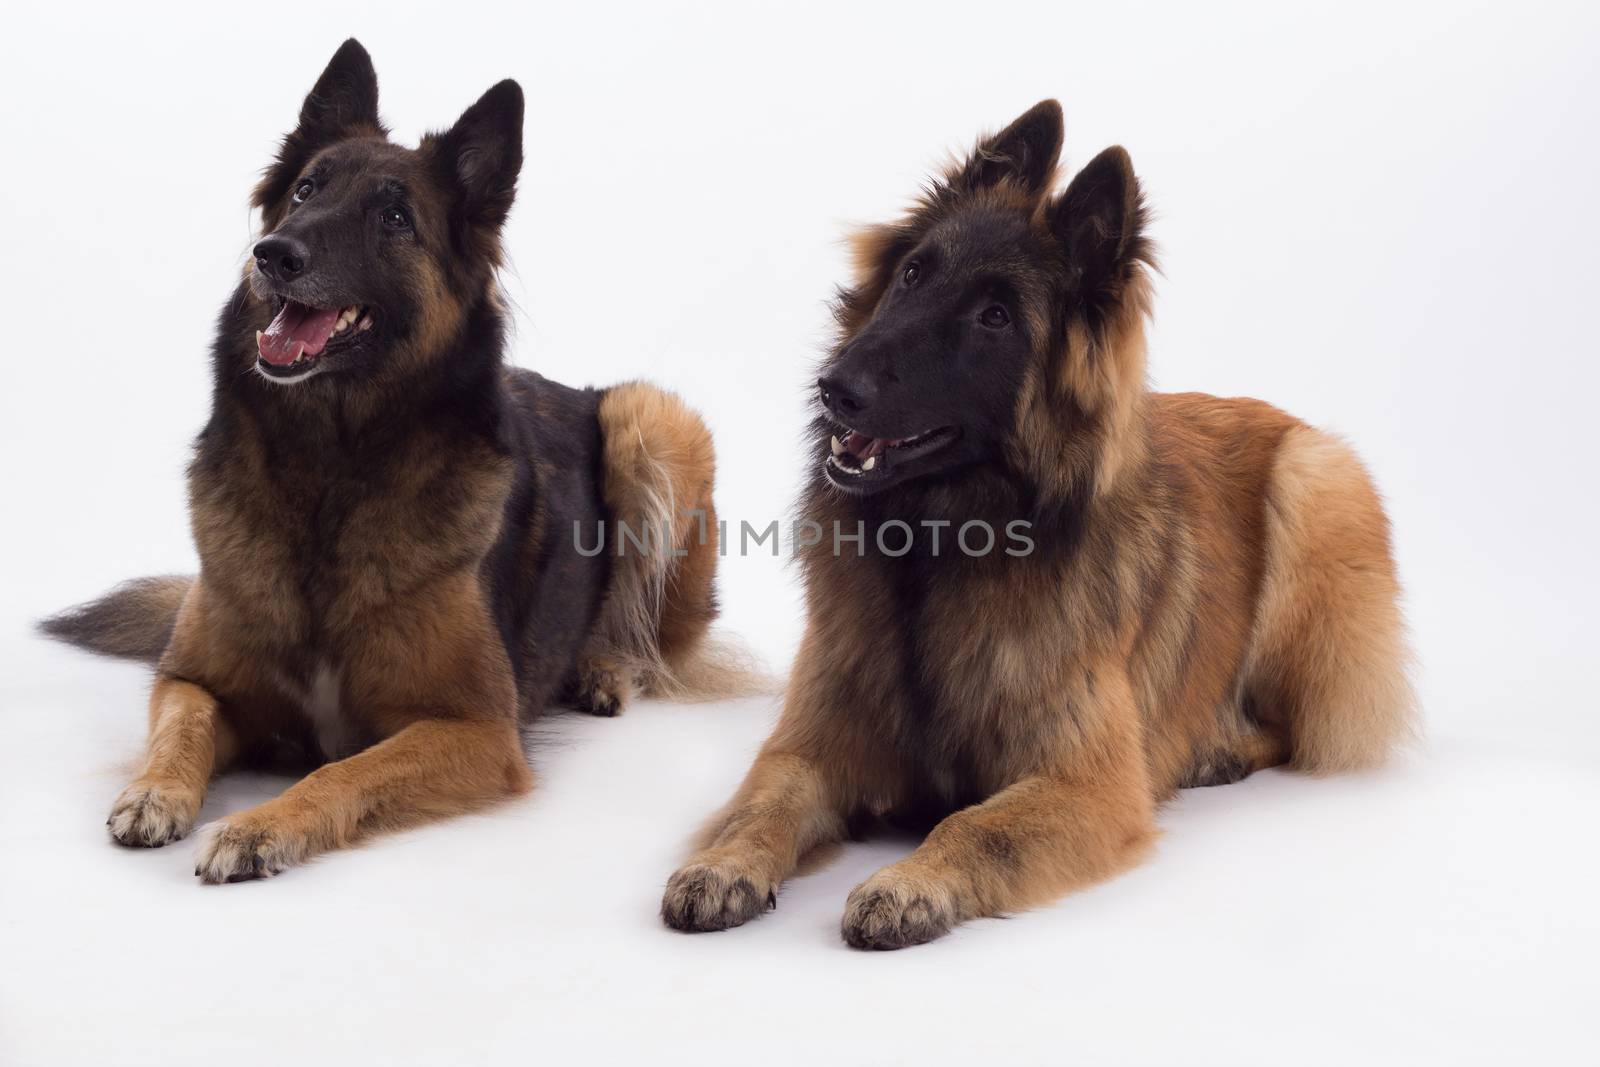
1025,151
344,101
1100,222
481,155
344,98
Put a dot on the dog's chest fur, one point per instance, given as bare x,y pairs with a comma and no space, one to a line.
989,669
314,556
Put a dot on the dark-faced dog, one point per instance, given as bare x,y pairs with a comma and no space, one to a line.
387,516
1205,586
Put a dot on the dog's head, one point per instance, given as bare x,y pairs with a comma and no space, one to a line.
981,327
373,253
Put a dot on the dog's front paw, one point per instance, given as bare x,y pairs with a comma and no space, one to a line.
147,815
714,895
241,848
896,910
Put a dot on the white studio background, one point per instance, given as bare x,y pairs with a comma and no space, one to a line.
1381,217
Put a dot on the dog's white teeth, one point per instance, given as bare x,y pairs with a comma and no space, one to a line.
347,318
838,445
872,461
366,323
258,337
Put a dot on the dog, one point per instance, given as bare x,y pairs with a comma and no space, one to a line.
1180,589
387,516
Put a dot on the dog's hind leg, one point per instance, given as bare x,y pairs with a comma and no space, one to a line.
1330,658
189,742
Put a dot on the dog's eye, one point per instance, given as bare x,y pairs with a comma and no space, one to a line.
994,316
395,218
303,191
913,274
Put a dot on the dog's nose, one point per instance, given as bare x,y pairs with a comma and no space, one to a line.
282,258
844,396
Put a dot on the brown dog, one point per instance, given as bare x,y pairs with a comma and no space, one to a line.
388,518
1177,589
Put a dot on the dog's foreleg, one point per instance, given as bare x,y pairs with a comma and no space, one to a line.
1086,814
784,809
429,769
188,742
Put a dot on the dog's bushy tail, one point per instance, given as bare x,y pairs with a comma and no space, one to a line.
658,473
133,621
718,667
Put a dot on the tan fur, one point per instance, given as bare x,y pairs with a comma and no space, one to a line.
660,468
188,743
426,770
1078,722
1222,599
426,677
1330,637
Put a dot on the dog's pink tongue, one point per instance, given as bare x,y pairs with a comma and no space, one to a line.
861,446
298,328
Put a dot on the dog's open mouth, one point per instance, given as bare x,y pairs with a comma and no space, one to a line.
300,335
859,460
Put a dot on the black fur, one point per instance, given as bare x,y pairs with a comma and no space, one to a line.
134,621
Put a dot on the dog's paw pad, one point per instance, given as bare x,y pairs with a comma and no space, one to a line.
148,816
704,896
239,852
887,914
